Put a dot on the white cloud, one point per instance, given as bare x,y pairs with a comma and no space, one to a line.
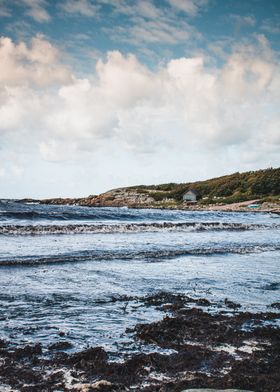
139,108
37,64
150,24
156,31
37,10
143,8
82,7
243,20
16,170
2,172
4,9
190,7
56,151
148,10
184,108
271,26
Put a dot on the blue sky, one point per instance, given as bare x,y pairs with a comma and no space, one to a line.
96,94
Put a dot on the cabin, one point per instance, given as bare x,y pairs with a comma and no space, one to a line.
190,195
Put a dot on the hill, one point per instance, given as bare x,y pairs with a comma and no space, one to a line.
236,187
262,186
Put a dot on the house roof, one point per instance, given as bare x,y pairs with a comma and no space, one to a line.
191,191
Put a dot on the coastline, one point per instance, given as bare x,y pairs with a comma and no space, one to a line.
91,202
248,191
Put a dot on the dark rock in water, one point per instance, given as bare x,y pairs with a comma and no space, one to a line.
18,376
203,302
188,325
162,300
2,343
214,390
60,346
169,301
164,297
206,351
232,305
122,298
27,351
93,356
272,286
275,305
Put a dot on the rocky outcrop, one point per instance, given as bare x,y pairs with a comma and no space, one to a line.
121,197
135,198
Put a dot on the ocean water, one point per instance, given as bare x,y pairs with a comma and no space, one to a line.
63,268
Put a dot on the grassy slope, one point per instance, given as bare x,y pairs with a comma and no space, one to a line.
232,188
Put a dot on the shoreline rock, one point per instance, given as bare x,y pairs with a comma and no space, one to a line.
208,350
133,200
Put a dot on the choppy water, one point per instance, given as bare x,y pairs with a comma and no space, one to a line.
60,267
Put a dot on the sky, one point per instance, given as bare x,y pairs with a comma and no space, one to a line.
99,94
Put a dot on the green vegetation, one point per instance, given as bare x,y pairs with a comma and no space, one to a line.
233,188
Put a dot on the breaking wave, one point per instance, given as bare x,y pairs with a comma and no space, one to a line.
148,255
127,228
62,215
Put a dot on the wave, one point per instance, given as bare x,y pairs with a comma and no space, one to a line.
91,214
47,215
272,286
146,255
37,212
11,210
128,228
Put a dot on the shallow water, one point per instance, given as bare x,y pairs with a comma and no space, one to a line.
60,266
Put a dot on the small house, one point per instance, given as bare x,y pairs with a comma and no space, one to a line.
190,195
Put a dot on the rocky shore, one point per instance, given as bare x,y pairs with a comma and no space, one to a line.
234,192
209,346
126,197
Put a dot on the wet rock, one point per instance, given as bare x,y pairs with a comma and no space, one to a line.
275,305
102,385
207,351
231,304
203,302
57,377
27,351
82,387
92,357
214,390
18,376
122,298
272,286
188,325
163,297
169,301
3,351
60,346
3,343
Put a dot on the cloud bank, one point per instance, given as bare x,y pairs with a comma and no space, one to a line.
184,107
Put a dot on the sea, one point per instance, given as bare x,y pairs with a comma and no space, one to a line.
66,271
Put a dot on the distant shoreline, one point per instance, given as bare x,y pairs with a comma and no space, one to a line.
89,202
249,191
